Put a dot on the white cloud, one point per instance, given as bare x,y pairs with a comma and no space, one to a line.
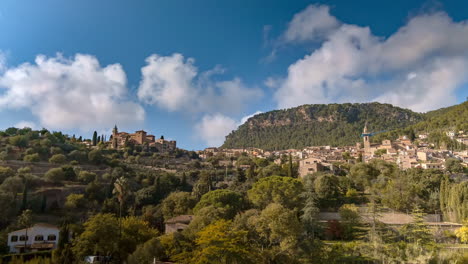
312,23
72,93
213,129
24,124
419,67
174,83
245,118
166,81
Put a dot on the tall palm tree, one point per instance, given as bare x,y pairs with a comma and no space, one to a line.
25,220
122,190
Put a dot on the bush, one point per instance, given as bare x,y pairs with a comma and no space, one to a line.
86,176
58,159
75,201
55,175
95,156
32,158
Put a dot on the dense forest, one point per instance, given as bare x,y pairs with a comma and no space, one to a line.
313,125
115,203
342,124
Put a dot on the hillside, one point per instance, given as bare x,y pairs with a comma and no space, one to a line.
435,124
312,125
449,118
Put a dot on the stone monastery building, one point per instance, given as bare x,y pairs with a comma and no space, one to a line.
140,137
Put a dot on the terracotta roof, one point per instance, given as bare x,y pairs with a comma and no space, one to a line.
184,219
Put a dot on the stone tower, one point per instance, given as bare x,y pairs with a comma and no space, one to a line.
365,136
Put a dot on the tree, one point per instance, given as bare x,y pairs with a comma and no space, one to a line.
86,176
19,141
78,155
350,220
32,157
147,252
100,237
134,232
203,185
95,138
276,189
229,200
6,172
290,167
13,185
95,156
25,221
55,175
453,165
58,159
220,243
177,203
75,201
417,231
327,190
279,226
462,232
310,211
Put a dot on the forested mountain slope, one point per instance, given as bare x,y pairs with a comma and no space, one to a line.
320,124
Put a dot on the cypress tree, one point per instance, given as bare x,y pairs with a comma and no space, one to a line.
44,204
290,167
24,203
95,138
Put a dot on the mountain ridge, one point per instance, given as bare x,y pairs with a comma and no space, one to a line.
318,124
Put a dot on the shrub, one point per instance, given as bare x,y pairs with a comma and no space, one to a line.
58,159
32,158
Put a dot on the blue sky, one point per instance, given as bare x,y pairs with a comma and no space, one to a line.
192,70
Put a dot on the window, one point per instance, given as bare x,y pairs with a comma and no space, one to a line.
23,238
39,238
14,238
51,237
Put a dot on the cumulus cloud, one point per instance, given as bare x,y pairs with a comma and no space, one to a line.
24,124
245,118
214,128
167,81
419,67
175,84
76,93
313,22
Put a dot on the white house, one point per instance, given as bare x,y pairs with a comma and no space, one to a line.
39,237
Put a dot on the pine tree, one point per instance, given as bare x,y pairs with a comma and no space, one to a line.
417,231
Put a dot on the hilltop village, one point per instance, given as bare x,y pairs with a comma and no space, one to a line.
405,152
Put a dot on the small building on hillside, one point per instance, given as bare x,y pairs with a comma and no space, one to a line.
309,166
178,223
39,237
